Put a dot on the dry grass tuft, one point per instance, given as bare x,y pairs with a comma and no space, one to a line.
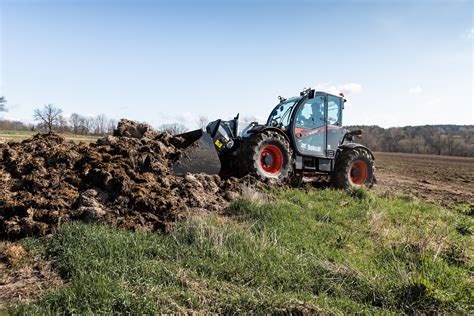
12,253
254,195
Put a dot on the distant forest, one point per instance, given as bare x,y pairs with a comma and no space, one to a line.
450,140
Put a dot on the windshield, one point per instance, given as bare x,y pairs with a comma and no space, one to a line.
280,116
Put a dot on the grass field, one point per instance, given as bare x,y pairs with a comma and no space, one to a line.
10,135
295,251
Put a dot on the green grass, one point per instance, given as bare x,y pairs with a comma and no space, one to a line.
15,135
12,135
302,251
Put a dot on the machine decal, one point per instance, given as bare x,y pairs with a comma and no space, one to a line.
218,144
311,147
301,132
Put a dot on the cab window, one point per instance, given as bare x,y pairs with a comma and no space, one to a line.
311,113
334,110
281,115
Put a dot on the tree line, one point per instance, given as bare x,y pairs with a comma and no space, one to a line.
450,140
50,118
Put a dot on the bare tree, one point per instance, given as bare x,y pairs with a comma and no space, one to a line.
63,124
14,125
100,124
83,125
173,128
75,120
88,123
203,121
3,104
49,115
111,126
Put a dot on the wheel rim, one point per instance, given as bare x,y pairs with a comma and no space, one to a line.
271,159
359,172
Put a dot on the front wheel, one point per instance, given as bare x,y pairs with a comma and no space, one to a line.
354,168
266,155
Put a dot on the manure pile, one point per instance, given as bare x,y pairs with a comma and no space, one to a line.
124,180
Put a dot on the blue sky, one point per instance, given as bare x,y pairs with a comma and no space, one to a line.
399,62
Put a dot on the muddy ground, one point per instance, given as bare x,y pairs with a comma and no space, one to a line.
437,179
124,180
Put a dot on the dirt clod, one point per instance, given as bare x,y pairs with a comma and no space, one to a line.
124,179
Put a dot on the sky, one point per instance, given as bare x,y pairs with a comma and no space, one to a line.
398,62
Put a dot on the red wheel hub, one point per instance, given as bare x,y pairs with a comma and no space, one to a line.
359,172
271,159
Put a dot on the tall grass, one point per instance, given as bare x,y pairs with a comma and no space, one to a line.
299,251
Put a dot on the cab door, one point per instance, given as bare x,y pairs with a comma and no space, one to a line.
335,131
309,126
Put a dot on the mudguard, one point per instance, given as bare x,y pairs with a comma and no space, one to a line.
355,145
263,128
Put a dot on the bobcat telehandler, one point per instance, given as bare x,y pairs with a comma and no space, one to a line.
302,139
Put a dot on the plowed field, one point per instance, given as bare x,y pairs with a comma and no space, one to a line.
439,179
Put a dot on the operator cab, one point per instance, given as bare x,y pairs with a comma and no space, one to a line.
317,125
313,123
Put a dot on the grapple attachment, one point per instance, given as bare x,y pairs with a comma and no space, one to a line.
198,154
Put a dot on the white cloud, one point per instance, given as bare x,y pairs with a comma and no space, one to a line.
468,34
346,88
434,101
188,119
415,90
351,88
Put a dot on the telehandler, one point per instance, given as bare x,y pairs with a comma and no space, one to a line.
302,139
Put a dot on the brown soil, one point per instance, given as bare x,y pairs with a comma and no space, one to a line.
123,179
126,180
439,179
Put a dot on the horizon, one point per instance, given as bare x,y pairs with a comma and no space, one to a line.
399,63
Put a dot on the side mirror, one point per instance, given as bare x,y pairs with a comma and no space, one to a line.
311,94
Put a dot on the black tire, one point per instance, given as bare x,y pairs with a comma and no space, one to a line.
253,147
295,180
354,168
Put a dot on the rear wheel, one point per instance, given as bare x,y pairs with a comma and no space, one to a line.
266,155
354,168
